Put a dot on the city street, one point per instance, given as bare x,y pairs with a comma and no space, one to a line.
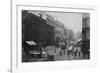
50,36
65,57
57,57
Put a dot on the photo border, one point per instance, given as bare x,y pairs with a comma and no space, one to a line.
15,67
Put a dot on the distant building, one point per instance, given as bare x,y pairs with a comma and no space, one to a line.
59,27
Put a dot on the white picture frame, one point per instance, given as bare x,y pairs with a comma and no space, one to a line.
16,63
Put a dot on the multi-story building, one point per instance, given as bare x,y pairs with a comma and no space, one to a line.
86,35
58,26
85,26
35,28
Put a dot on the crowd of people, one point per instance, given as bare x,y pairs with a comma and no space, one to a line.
73,48
69,48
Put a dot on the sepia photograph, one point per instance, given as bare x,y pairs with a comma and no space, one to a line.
55,36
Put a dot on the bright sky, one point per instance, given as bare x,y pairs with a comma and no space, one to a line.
70,20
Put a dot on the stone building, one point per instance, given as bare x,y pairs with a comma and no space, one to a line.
85,26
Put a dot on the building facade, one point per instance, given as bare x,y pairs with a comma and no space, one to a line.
35,28
85,26
58,27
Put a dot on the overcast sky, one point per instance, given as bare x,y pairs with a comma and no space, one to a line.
70,20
